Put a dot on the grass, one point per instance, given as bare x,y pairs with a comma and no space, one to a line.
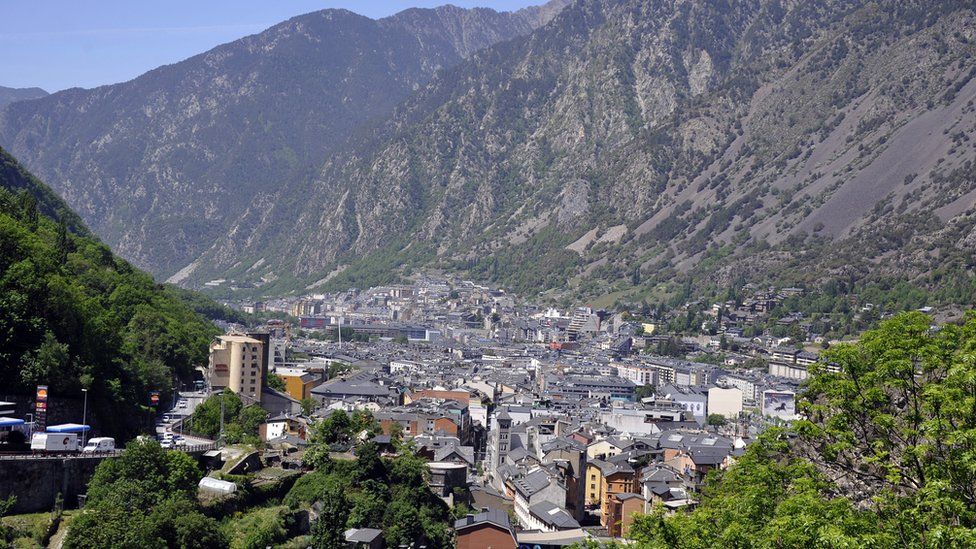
29,529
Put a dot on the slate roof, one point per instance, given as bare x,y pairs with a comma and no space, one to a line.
491,516
362,535
553,516
532,483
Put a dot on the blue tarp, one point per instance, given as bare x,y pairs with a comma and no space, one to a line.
67,428
10,422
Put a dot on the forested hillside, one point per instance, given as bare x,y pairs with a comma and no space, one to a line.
73,315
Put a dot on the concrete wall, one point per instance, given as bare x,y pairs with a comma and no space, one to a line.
37,481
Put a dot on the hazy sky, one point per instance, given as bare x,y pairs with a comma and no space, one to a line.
58,44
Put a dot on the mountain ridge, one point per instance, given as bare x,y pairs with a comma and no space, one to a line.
10,95
625,145
159,165
700,131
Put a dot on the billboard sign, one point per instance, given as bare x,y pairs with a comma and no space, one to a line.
40,408
779,404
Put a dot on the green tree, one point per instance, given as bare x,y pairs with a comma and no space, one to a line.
717,420
898,422
329,528
277,383
144,498
768,499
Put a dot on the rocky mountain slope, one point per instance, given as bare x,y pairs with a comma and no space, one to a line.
632,140
9,95
163,165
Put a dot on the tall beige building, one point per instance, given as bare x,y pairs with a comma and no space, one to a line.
236,363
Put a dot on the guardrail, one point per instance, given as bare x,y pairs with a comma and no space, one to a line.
59,455
187,448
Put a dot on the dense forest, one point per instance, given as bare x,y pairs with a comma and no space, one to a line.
74,316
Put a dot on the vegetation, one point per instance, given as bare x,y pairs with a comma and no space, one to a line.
144,498
883,457
240,422
73,316
372,492
259,528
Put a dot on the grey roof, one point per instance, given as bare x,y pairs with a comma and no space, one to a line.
362,535
491,516
532,483
464,452
553,515
360,388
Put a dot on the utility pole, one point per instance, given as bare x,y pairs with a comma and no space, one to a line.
84,419
220,437
340,332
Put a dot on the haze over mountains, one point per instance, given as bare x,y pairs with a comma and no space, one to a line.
829,138
9,95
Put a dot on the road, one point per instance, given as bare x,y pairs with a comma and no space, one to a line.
192,399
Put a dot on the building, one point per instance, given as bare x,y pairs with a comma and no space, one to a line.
237,362
299,382
621,512
727,402
364,538
487,530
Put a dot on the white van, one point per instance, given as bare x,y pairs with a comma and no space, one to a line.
99,444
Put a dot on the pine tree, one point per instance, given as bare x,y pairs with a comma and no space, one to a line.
63,242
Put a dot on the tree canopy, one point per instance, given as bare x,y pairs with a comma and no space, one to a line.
144,498
883,457
73,316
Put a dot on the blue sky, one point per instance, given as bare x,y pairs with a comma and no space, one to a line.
58,44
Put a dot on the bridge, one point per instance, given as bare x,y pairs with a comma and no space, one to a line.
37,479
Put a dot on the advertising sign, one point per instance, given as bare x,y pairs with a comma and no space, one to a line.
781,404
154,398
40,408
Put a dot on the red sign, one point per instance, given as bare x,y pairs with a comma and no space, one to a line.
154,398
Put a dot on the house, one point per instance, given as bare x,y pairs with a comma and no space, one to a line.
536,486
546,516
618,478
364,538
620,513
486,530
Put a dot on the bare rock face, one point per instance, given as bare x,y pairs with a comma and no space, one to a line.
790,139
164,166
795,135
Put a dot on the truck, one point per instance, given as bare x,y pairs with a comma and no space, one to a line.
99,444
54,442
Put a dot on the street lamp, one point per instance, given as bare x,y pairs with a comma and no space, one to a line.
84,418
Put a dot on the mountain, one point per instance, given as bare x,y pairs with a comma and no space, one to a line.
9,95
640,141
73,315
163,165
